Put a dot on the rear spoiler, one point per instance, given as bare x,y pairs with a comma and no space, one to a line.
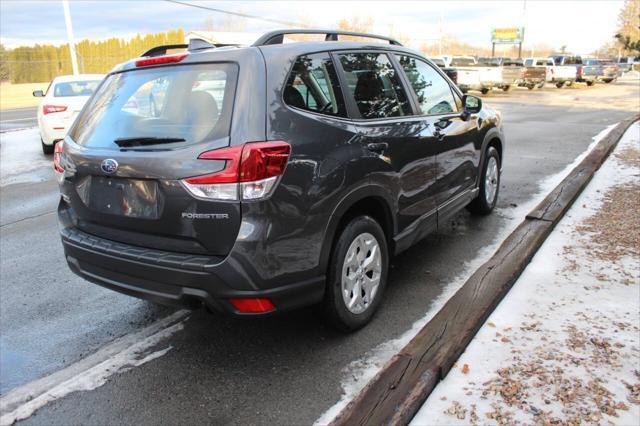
194,44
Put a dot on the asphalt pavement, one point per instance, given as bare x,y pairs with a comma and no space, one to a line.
18,118
282,370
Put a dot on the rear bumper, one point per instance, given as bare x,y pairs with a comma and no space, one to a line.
168,278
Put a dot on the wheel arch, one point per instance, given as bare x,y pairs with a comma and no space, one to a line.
495,138
370,200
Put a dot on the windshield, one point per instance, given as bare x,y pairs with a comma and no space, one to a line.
75,88
462,62
182,104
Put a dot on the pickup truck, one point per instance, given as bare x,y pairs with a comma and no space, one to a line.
452,73
584,74
559,75
610,71
597,70
510,71
532,76
626,64
470,76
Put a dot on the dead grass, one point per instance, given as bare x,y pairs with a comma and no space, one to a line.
19,95
614,229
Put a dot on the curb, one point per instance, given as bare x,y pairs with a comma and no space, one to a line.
398,391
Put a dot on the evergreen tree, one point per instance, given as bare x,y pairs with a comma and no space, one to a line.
42,63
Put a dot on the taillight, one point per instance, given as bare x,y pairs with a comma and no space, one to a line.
253,305
159,60
57,153
580,71
251,172
48,109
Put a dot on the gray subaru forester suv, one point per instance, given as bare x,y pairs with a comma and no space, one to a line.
254,180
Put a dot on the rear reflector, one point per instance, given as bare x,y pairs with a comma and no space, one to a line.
159,60
57,153
48,109
250,173
253,306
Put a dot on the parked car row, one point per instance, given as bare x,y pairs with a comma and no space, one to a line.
483,74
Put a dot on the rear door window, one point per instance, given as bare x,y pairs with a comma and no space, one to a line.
186,104
313,86
431,89
375,85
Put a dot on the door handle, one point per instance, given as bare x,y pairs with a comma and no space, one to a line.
377,147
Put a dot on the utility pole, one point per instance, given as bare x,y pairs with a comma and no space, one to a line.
440,35
72,44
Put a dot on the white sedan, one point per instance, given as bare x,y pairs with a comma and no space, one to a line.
61,103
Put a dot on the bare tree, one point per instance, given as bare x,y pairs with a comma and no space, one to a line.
628,34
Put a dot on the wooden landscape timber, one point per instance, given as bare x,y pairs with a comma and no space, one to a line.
398,391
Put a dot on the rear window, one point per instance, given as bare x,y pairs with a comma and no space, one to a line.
186,103
69,89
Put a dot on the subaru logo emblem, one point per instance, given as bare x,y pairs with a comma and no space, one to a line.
109,166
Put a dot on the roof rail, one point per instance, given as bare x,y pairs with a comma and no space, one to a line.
194,44
277,36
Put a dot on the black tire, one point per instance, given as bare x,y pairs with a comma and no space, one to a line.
531,86
590,83
569,83
506,88
484,90
609,80
47,149
559,85
540,85
480,206
334,307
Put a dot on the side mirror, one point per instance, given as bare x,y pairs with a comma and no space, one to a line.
38,94
472,104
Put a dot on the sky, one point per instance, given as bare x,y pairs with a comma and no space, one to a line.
582,26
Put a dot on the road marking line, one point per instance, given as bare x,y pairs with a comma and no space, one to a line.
93,371
17,119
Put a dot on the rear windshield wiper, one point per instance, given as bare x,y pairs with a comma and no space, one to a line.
146,140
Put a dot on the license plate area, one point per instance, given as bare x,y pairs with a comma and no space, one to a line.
134,198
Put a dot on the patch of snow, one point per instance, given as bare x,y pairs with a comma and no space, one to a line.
558,301
359,372
21,158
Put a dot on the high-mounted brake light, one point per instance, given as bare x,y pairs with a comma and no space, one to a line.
57,153
253,306
251,172
159,60
48,109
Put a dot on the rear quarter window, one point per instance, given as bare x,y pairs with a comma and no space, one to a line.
313,85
